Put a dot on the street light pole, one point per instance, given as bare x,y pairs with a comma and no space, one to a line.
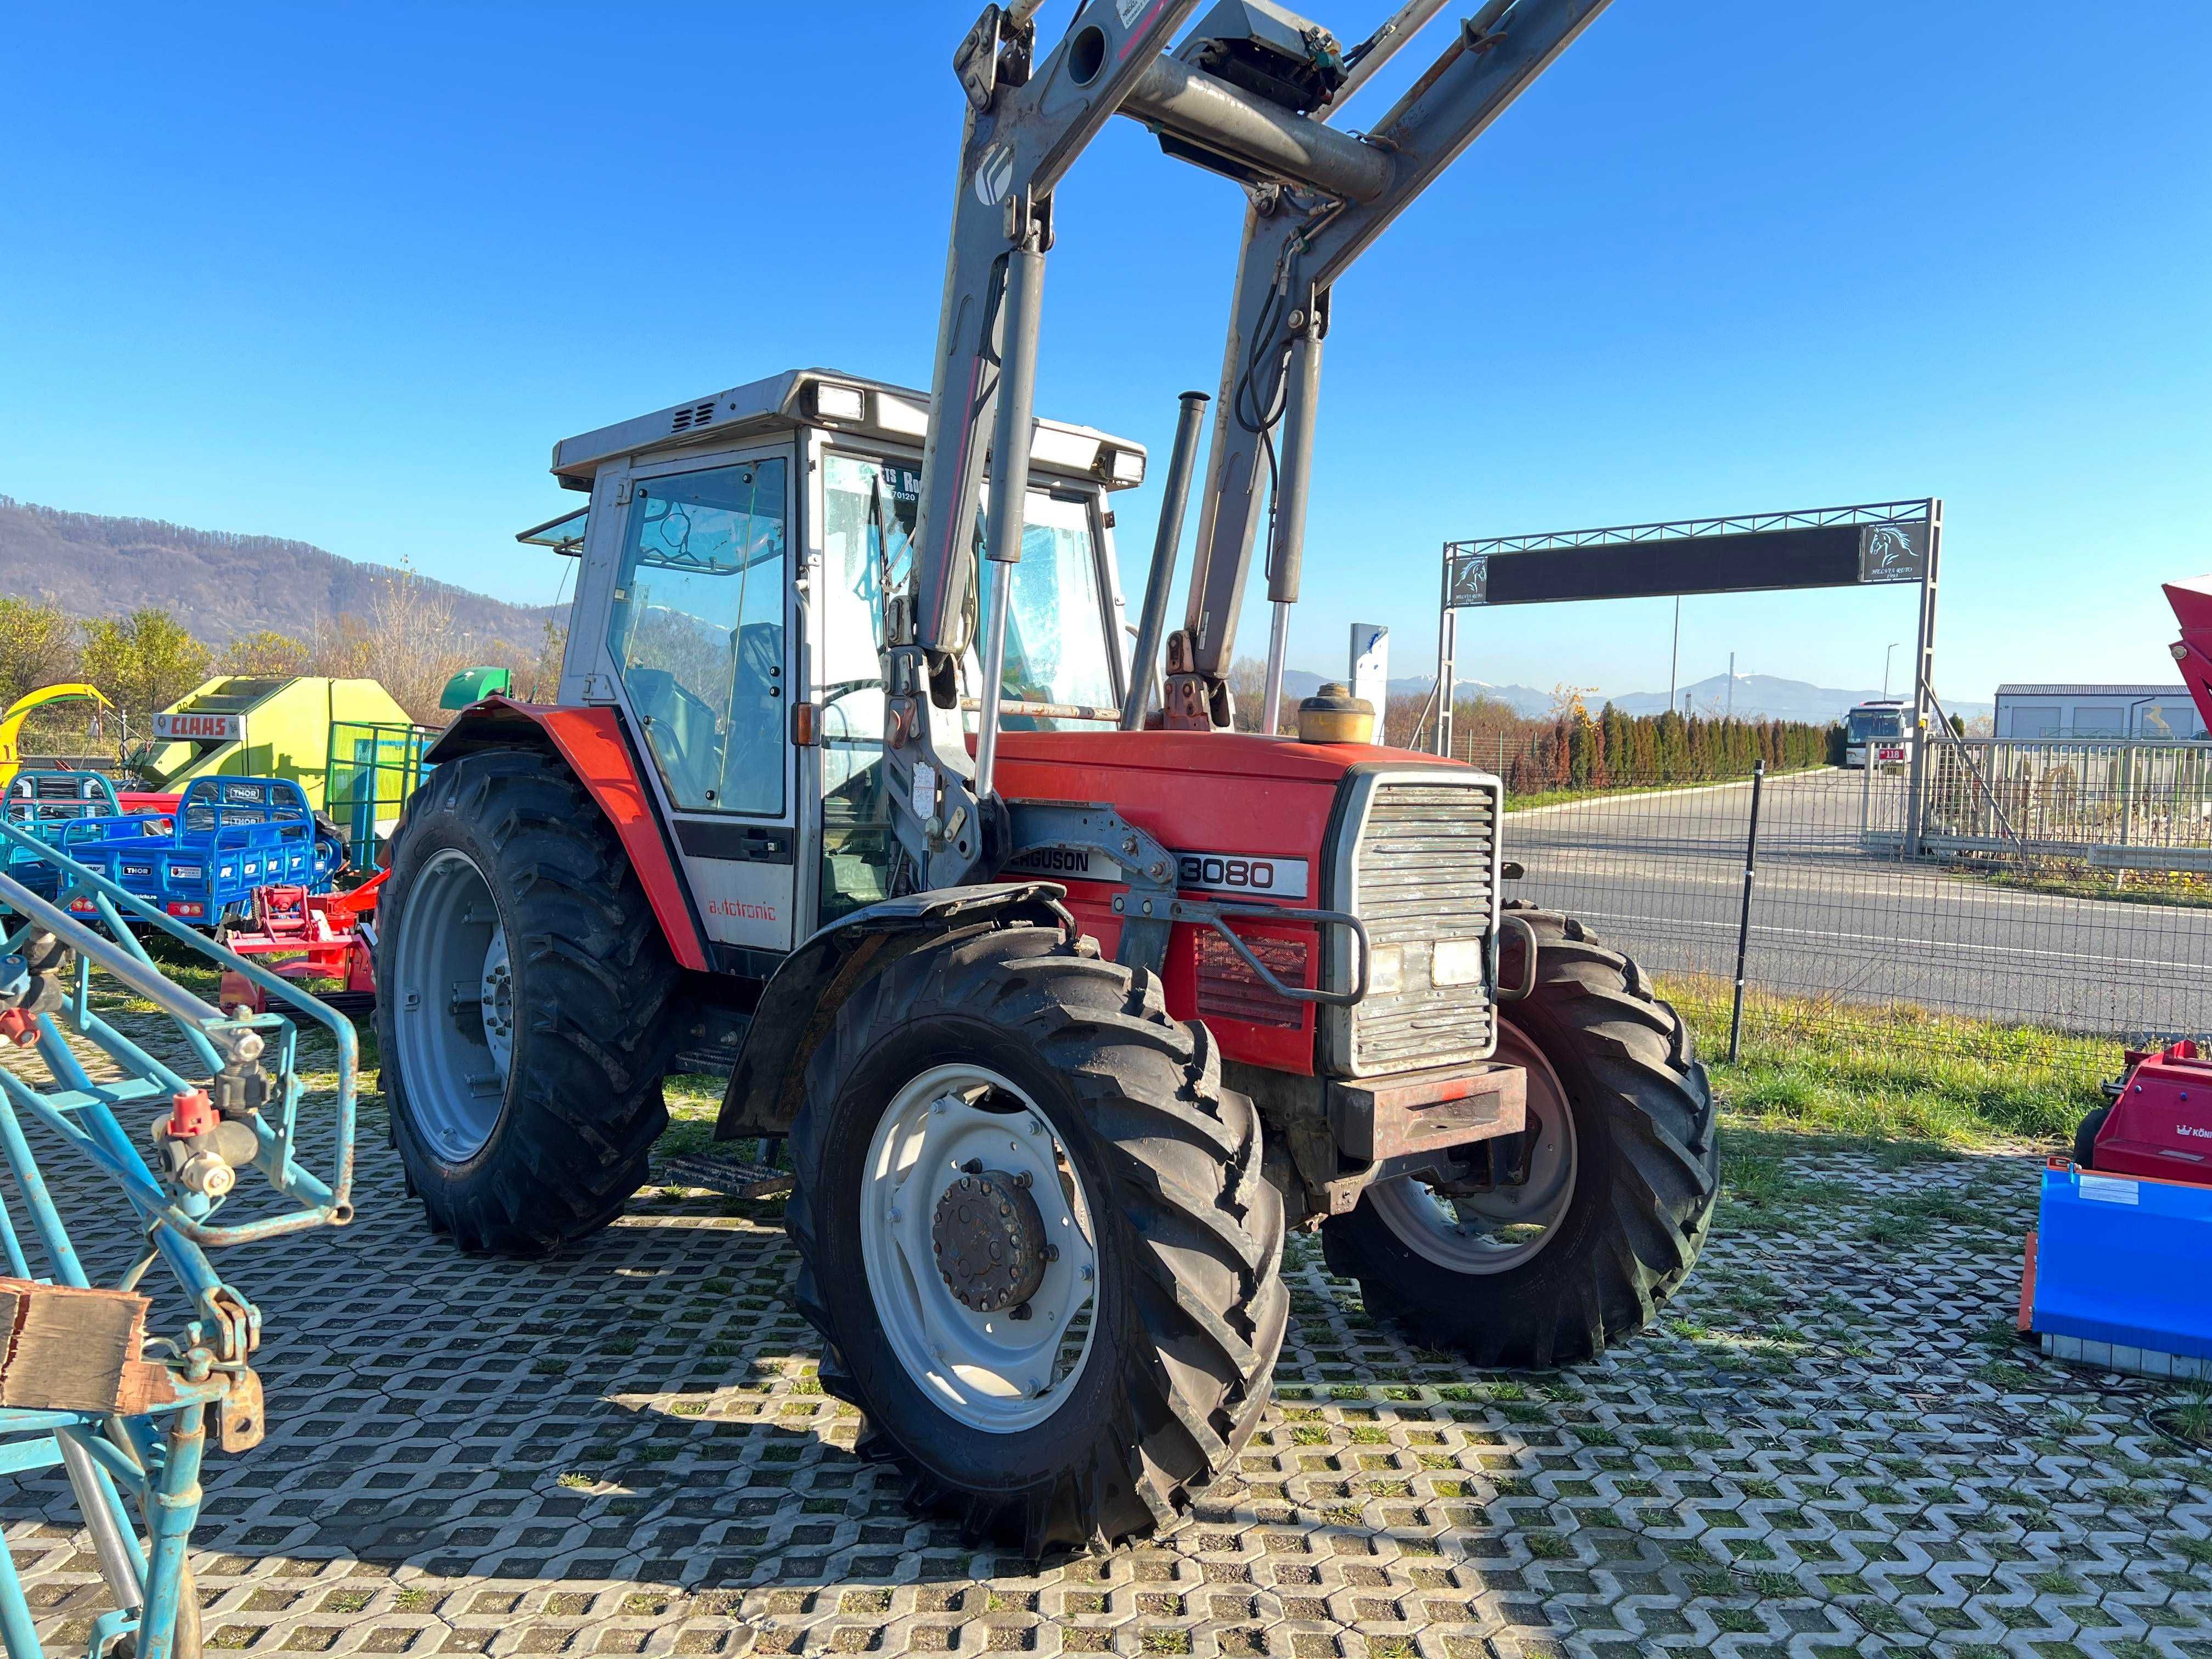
1674,659
1886,649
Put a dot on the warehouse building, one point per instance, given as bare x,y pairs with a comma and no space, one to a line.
2154,714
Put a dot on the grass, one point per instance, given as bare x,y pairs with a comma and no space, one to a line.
1892,1076
2184,890
1559,797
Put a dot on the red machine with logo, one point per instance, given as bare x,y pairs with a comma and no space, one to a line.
1067,997
2159,1122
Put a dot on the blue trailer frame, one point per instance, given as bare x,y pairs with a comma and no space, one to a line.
202,863
41,803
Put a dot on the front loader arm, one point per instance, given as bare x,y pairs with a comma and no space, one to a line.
1023,130
1296,245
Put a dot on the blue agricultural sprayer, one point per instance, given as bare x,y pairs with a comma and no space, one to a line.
177,1113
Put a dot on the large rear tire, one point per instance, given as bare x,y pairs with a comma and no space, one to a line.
1623,1169
523,991
1140,1354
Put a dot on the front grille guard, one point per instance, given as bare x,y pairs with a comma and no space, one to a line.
1217,917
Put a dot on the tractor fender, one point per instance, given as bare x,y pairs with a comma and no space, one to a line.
592,743
801,1000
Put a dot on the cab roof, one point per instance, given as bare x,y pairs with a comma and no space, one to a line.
796,398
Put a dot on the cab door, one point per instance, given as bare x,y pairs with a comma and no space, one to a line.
699,654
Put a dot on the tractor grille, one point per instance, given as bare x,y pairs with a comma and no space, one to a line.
1424,881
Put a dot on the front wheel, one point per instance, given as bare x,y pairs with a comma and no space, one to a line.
1035,1238
1595,1213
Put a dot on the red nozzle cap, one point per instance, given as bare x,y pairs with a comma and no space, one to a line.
18,1027
190,1113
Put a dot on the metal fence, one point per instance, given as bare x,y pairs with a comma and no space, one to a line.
2108,804
373,767
1984,944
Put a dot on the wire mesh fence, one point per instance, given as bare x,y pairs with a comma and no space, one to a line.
1980,949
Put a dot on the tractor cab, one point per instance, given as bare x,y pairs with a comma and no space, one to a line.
730,604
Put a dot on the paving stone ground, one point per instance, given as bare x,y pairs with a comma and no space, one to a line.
1832,1444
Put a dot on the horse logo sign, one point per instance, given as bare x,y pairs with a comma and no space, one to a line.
1893,552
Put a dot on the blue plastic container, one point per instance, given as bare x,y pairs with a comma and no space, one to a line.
2124,1272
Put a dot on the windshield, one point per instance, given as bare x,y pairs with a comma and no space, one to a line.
1867,723
1057,638
1056,650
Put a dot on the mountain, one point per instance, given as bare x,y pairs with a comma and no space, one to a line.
1757,697
218,585
1521,699
1763,696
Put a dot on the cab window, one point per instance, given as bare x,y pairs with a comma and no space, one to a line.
697,628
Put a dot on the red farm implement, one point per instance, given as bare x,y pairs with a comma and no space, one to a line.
302,935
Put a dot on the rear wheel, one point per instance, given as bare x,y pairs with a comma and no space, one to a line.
1035,1238
523,995
1612,1194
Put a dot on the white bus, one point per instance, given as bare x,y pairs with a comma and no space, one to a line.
1876,730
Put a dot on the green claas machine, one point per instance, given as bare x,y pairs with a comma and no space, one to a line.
234,726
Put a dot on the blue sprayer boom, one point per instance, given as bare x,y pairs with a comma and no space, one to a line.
189,1143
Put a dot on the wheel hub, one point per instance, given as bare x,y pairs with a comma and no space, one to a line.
453,991
989,1240
1494,1228
496,992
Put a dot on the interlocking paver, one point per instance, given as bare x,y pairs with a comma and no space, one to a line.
1829,1444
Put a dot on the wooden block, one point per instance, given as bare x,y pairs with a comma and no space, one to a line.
69,1349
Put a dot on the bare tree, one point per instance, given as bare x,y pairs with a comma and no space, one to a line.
408,642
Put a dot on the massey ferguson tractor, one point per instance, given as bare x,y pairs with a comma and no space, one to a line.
1069,998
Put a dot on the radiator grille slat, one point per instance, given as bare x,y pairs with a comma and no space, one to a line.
1423,873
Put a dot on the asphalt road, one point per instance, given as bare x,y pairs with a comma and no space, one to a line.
1834,915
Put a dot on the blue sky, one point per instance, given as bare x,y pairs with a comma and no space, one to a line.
345,274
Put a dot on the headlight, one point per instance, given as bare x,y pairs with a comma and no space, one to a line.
833,402
1456,962
1119,468
1386,970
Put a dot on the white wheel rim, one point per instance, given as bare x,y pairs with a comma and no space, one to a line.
456,1044
988,1370
1493,1232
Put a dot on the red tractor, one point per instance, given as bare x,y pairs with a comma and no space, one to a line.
1069,998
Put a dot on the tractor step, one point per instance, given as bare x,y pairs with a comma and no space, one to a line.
727,1175
704,1062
